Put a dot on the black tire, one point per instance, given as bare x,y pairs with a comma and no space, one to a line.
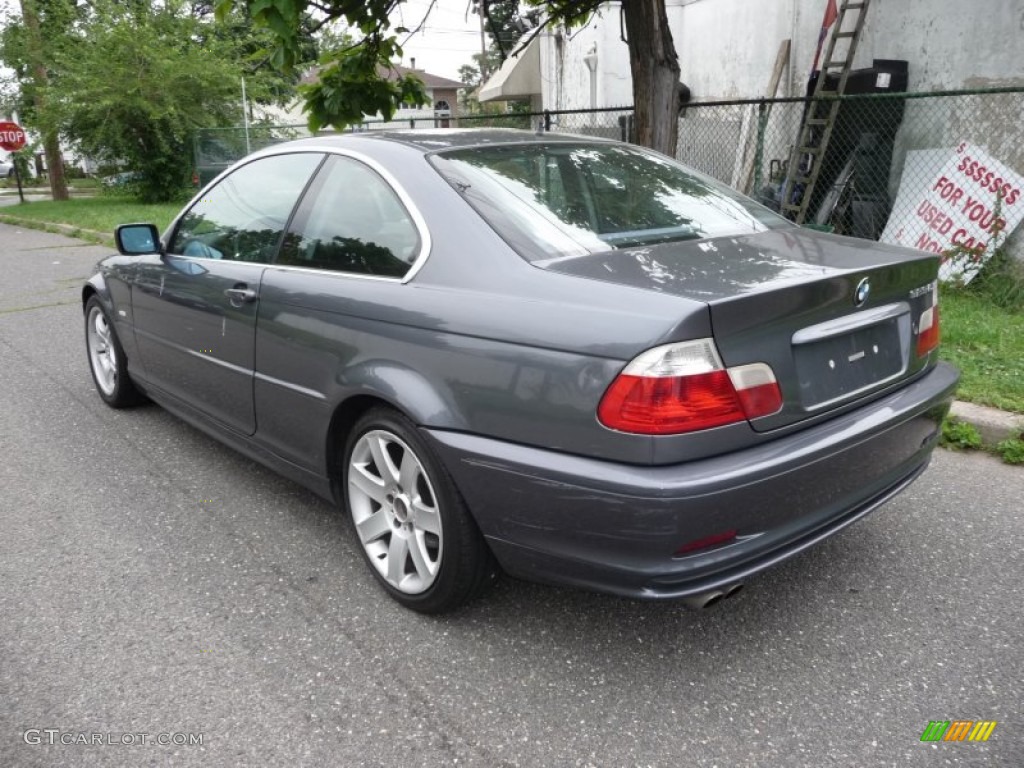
113,384
410,511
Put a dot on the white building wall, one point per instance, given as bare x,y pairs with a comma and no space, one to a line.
949,44
727,48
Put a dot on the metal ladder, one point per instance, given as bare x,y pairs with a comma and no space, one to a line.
822,111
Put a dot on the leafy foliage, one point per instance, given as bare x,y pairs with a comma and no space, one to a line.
351,80
959,434
130,82
1012,451
135,83
474,74
505,22
343,92
55,18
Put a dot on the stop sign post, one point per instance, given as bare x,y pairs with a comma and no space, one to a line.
12,138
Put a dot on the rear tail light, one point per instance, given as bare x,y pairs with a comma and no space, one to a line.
757,389
685,387
928,326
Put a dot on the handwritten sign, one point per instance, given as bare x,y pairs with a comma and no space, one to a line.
971,202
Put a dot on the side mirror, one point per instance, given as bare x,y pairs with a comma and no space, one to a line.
137,239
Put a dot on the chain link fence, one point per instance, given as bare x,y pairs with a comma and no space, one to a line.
929,170
216,149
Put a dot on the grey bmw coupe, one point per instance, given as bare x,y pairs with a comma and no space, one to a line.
572,360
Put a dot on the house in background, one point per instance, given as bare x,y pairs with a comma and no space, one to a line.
440,110
442,96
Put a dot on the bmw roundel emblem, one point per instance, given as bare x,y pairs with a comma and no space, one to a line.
862,292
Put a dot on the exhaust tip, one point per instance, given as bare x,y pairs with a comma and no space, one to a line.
710,598
703,600
715,599
733,590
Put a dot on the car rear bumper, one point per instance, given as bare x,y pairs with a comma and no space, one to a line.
615,528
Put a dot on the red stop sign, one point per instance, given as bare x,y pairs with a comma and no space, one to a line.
12,136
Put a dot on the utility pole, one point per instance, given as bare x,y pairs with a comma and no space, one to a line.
484,68
40,79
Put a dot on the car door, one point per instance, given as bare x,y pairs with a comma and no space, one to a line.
195,306
335,286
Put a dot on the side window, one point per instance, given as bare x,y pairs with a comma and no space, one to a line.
242,218
351,220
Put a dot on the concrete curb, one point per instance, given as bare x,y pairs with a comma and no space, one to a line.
992,424
80,233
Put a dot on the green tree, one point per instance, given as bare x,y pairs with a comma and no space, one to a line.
505,22
130,82
28,49
352,80
137,80
474,74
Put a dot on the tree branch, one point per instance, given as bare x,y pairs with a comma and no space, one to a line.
422,22
485,7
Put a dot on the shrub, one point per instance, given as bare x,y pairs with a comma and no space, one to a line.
1011,450
1000,280
958,434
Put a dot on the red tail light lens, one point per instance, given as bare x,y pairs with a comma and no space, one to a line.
684,387
667,405
928,326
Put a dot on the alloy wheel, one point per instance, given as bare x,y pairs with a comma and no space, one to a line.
102,355
395,510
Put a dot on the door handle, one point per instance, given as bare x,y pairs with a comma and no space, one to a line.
240,294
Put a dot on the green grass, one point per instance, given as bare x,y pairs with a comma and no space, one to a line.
987,344
97,214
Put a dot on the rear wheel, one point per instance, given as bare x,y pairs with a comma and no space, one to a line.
107,360
412,525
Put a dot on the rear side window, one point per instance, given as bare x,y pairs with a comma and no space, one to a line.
563,199
352,221
243,217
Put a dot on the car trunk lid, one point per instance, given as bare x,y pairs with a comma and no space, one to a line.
835,318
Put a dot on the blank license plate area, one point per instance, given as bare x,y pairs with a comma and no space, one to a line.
832,368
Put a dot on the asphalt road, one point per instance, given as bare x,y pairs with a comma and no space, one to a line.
153,582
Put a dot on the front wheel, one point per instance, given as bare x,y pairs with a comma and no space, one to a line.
412,525
107,360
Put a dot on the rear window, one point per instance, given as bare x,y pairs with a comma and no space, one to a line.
556,200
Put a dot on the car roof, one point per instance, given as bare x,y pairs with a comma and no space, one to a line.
434,139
